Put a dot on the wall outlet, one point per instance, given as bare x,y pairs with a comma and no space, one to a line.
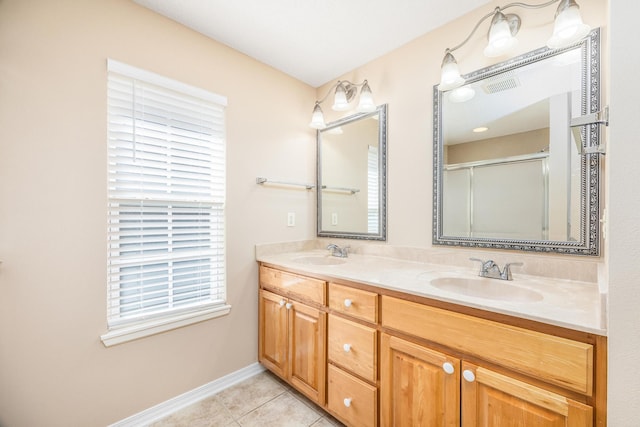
334,218
291,219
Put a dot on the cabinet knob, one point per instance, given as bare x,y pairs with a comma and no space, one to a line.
469,375
448,367
281,302
289,305
347,402
346,348
347,302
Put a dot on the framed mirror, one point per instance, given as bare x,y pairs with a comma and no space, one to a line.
508,173
352,177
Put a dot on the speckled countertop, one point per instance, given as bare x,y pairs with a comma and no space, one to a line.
567,303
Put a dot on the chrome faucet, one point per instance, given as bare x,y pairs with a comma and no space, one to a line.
338,251
491,270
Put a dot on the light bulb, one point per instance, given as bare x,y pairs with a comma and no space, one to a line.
568,27
366,104
317,118
340,102
462,94
501,35
450,77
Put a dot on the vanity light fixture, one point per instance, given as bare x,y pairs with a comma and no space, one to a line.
344,92
568,29
462,94
502,34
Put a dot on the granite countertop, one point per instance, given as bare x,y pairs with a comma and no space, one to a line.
566,303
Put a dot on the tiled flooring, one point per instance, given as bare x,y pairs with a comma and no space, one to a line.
263,400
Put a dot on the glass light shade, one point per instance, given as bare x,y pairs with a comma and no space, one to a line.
450,77
366,104
340,102
501,38
317,118
568,27
462,94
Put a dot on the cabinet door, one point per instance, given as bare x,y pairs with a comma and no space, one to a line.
490,399
273,342
418,386
307,330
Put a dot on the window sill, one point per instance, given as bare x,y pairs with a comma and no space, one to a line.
156,326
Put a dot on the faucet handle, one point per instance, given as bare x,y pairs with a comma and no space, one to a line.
485,264
513,263
506,271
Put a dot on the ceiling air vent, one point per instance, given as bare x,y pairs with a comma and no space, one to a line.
501,83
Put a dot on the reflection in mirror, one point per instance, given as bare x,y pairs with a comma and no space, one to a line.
352,177
507,172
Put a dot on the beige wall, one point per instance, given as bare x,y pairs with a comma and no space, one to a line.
499,147
54,370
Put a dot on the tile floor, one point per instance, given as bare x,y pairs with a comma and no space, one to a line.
263,400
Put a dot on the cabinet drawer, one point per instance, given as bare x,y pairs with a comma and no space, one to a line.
352,399
291,284
556,360
354,302
353,346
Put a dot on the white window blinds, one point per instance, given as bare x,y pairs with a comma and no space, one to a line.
373,186
166,190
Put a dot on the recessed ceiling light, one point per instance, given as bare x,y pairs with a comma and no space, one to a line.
481,129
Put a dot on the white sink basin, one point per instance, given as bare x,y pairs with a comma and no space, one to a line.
492,289
319,260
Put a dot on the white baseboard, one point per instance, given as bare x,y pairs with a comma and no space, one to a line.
170,406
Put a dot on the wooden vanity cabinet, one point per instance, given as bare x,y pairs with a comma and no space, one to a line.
292,333
374,357
480,396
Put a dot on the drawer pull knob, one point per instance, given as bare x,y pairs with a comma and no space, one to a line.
347,302
346,348
281,302
448,367
289,305
469,375
347,402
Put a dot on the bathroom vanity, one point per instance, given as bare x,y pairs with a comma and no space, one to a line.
375,341
417,341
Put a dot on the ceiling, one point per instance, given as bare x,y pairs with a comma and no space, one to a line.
314,41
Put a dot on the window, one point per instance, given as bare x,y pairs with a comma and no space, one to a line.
373,186
166,211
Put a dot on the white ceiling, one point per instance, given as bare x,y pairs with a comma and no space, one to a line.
314,41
